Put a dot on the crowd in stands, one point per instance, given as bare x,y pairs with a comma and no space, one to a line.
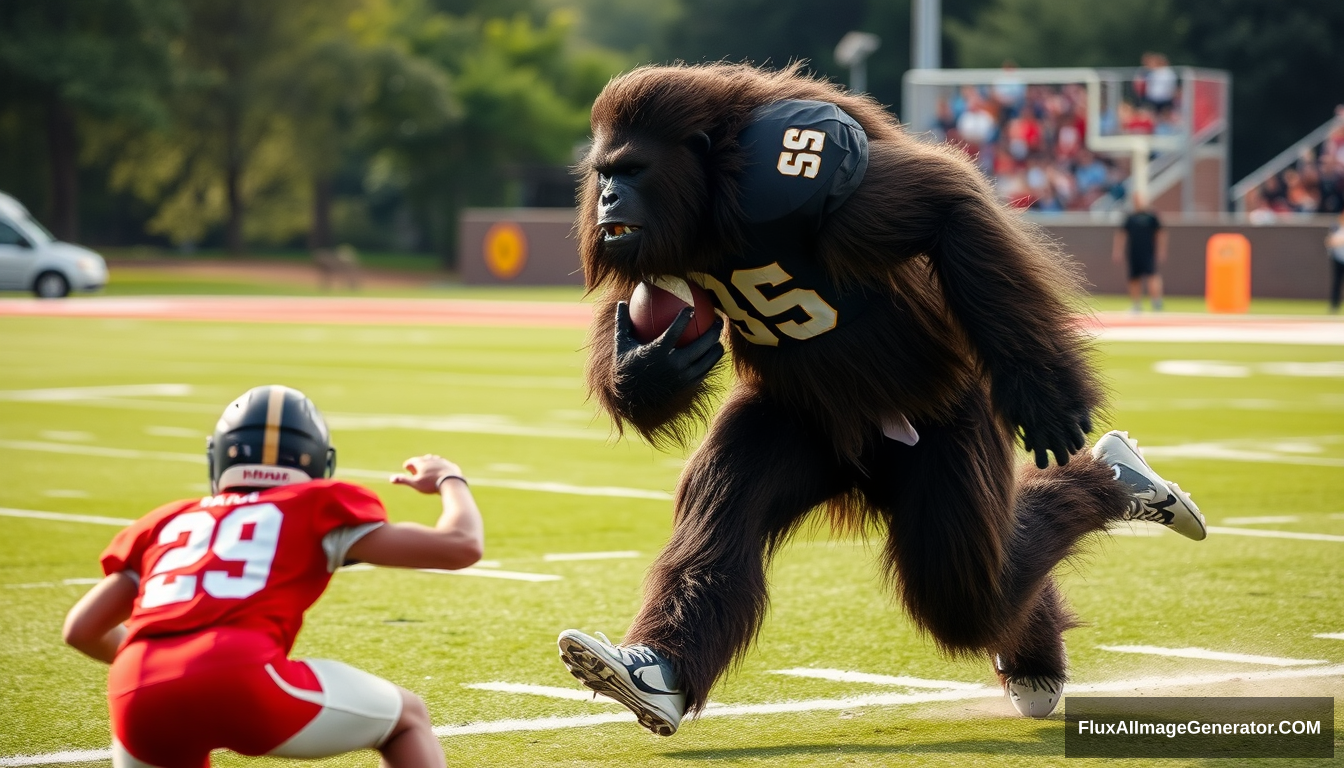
1314,184
1030,138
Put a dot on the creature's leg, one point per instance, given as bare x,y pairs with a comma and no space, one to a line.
747,487
970,549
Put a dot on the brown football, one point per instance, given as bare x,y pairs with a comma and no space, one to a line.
656,302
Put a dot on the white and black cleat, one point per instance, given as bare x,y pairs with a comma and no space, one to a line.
1035,696
635,675
1154,499
1032,695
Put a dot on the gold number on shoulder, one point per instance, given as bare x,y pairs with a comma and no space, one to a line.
801,163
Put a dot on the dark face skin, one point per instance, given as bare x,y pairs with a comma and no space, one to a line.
647,199
624,171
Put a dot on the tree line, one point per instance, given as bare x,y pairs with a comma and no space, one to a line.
256,123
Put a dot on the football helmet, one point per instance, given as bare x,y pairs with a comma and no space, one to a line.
269,436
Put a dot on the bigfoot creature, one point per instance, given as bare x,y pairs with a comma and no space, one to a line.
893,329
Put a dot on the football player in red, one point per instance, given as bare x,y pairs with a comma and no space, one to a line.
203,598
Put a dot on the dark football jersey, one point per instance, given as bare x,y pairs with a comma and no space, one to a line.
803,160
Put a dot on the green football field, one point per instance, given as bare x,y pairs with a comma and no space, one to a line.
105,419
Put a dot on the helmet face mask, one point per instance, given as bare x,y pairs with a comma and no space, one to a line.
270,436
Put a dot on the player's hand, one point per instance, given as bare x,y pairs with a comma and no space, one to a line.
423,473
645,373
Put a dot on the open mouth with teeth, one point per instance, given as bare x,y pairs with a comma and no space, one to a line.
617,230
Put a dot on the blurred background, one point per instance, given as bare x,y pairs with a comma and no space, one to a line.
232,127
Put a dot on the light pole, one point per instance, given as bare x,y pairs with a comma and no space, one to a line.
853,51
926,38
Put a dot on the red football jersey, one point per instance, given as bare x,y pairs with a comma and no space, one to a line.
252,561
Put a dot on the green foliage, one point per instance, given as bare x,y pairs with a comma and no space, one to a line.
108,58
1068,33
524,92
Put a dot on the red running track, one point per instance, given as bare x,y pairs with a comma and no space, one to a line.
316,310
1116,326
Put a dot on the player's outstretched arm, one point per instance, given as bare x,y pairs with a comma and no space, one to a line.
94,626
456,541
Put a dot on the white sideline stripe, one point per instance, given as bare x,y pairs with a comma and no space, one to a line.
557,557
192,458
1274,534
1204,653
514,725
491,573
120,522
550,691
1263,520
66,394
842,676
1330,636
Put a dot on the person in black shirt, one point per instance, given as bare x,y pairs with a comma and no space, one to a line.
1142,243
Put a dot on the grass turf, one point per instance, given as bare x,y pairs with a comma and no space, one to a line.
435,633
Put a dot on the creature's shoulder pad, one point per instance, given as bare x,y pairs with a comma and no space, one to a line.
803,159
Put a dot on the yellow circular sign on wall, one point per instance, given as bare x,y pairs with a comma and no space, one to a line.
505,250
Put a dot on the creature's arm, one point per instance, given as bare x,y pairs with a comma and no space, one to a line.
1003,280
656,388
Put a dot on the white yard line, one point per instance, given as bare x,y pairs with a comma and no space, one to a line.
844,676
515,725
1319,334
491,573
192,458
103,452
120,522
1263,520
1204,653
1274,534
549,691
469,424
1330,636
559,557
539,486
67,394
1223,452
61,583
52,758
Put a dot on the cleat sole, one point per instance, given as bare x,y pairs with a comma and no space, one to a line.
596,675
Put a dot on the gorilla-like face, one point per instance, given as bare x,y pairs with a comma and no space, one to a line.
644,206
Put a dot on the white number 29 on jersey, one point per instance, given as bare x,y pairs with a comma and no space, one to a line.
256,553
801,163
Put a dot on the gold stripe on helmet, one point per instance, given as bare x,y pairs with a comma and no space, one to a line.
275,407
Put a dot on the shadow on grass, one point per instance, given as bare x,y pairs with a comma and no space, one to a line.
1048,741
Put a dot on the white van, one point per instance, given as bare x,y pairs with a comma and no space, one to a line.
32,260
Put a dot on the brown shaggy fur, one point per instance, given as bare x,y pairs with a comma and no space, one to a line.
968,334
